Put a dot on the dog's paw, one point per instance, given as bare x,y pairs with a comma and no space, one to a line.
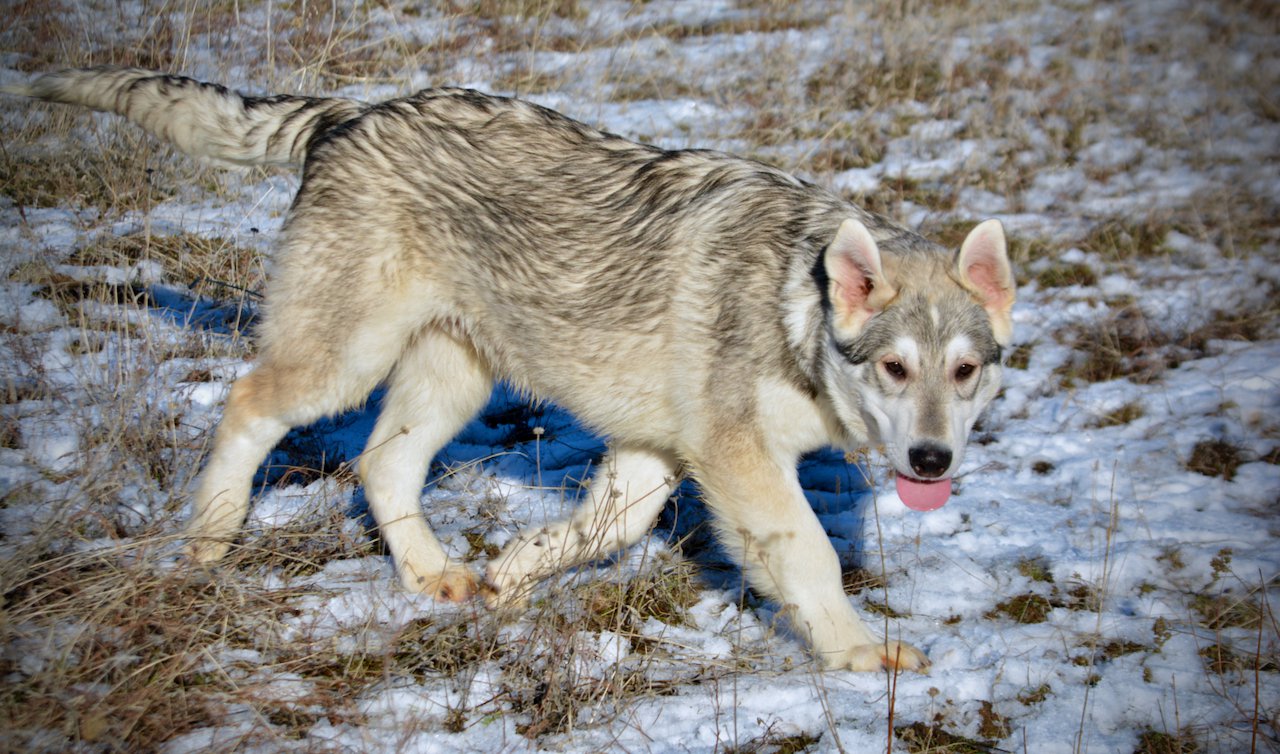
165,557
202,551
889,655
510,578
501,591
454,584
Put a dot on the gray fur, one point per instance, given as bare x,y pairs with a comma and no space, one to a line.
205,120
706,313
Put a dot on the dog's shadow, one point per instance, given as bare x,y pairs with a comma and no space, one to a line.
536,444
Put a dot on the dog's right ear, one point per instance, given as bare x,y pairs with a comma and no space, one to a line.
859,288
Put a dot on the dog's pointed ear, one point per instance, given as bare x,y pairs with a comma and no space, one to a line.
983,267
859,288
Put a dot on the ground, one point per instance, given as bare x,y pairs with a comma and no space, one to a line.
1101,581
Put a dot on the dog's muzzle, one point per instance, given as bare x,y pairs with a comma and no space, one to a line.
929,460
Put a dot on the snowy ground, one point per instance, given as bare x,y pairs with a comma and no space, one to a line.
1102,581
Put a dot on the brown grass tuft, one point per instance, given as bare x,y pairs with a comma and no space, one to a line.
923,738
1123,345
1024,608
1126,414
1063,275
130,638
1215,458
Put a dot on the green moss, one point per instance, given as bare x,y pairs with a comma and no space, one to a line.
1036,569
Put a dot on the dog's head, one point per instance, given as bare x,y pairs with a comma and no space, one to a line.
917,336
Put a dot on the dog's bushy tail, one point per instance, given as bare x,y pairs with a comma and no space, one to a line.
204,120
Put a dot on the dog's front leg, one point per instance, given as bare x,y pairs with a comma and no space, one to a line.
766,522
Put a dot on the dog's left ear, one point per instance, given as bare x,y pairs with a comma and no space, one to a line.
859,288
983,267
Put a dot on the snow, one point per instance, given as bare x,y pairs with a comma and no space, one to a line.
1128,535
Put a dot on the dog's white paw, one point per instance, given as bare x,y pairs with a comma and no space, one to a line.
203,550
454,584
508,580
887,655
504,588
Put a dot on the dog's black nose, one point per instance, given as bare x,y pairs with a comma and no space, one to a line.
929,460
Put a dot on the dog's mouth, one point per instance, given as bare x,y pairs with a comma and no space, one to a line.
921,495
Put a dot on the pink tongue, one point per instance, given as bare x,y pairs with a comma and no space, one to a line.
923,496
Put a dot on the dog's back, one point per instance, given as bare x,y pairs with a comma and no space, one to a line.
585,268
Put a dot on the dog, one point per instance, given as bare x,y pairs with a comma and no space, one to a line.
711,316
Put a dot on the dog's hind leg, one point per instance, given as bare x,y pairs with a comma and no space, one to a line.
627,493
280,393
250,428
436,387
330,335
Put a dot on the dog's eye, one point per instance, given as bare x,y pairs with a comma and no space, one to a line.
895,370
965,371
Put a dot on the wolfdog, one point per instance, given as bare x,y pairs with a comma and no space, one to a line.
709,315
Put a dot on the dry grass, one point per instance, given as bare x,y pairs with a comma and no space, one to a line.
108,648
1129,344
1158,742
495,10
1125,345
1119,417
924,738
1215,458
1066,274
123,650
